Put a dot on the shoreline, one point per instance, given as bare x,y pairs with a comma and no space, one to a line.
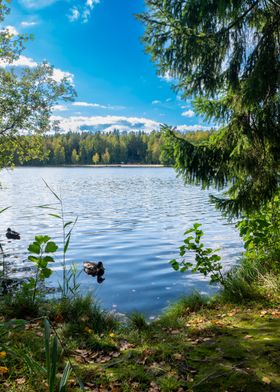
118,165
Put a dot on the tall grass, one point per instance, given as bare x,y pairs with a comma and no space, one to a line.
67,228
81,313
252,280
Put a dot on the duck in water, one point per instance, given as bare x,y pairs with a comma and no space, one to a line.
95,269
12,235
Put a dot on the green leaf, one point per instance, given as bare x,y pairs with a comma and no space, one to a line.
45,273
34,248
65,377
54,364
66,244
182,250
42,239
49,259
189,231
42,263
188,239
47,334
175,265
51,247
67,224
34,259
55,216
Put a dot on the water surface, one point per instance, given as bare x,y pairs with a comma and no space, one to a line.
132,219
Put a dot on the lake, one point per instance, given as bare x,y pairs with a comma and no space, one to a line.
132,219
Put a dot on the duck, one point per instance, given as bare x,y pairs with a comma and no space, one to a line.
12,235
99,279
94,269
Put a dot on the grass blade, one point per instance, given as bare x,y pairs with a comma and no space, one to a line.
52,191
47,334
66,374
4,209
55,216
54,363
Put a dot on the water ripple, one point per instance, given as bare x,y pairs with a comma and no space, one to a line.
131,219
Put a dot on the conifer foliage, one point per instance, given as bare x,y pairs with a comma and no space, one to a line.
226,55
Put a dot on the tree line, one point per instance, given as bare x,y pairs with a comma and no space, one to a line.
105,148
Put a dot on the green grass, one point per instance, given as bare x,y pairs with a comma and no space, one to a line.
197,345
226,343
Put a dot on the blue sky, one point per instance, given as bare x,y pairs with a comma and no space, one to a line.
97,44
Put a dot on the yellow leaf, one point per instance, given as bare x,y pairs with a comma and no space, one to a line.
88,330
3,369
266,380
3,354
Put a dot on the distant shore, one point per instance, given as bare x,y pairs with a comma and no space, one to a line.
127,165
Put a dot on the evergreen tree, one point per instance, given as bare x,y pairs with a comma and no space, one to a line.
226,54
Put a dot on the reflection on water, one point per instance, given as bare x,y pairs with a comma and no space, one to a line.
132,219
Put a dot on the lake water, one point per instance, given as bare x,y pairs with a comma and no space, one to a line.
132,219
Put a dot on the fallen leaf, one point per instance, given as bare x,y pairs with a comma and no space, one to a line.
178,356
21,380
175,332
116,354
266,380
124,345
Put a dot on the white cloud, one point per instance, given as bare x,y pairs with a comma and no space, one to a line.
155,102
195,127
37,4
10,29
86,15
28,24
79,123
58,75
60,108
91,3
74,14
82,12
24,61
97,105
188,113
105,123
89,105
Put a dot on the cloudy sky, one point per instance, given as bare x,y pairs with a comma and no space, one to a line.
96,43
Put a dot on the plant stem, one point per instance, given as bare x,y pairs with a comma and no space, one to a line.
36,279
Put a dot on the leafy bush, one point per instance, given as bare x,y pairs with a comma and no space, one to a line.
207,261
261,232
